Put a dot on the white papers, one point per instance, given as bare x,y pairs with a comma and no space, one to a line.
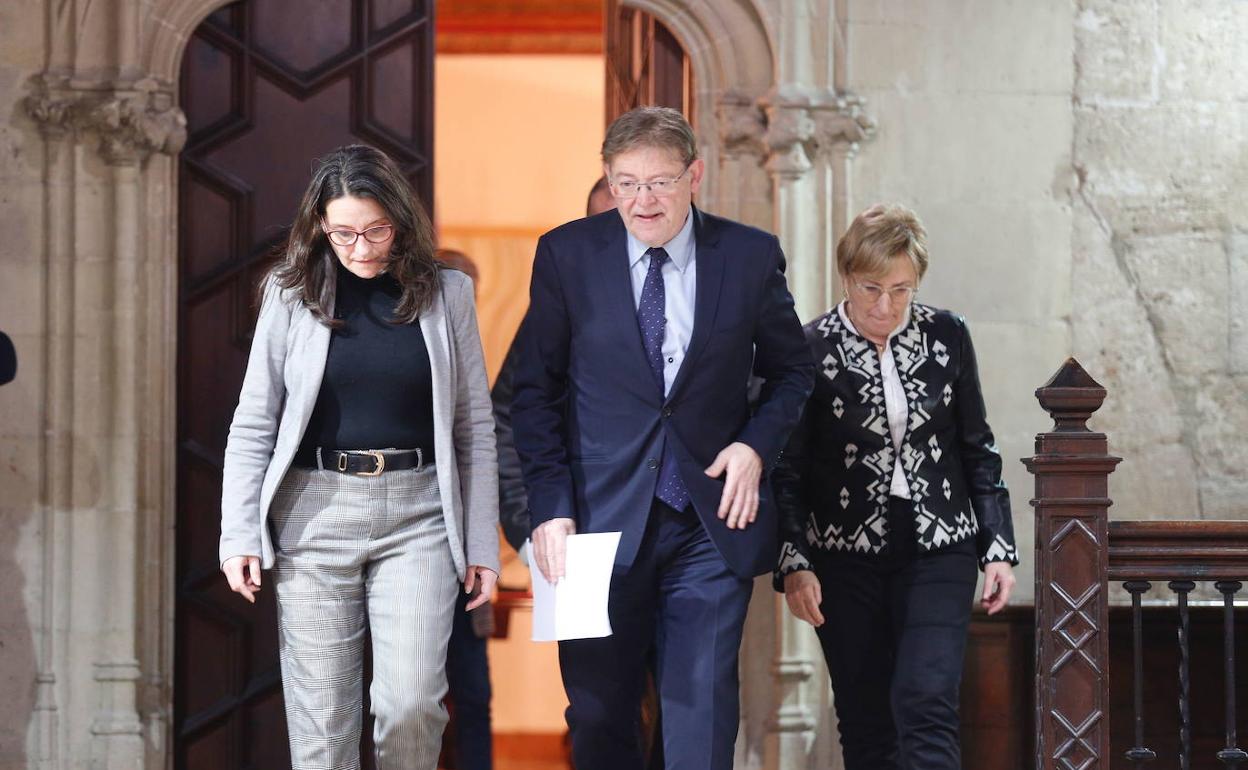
576,607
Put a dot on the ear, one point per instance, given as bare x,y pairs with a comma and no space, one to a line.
696,170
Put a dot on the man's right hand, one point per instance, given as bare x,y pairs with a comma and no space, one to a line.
549,543
243,572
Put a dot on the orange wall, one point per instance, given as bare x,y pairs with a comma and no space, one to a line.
516,152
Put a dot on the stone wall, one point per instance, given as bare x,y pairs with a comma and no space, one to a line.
1160,247
1082,173
973,105
21,317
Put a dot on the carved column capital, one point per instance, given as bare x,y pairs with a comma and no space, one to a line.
50,110
841,124
131,120
742,126
789,128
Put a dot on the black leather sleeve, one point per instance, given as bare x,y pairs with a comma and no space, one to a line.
981,462
513,502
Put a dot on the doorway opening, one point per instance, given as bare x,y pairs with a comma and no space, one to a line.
523,93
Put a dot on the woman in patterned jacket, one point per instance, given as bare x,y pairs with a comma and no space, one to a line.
890,493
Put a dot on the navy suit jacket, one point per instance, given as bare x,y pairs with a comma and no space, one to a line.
588,416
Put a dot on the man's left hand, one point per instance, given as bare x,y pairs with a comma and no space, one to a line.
738,504
483,580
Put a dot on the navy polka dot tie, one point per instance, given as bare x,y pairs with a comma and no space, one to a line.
652,320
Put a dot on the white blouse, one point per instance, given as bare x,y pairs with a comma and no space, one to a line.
894,401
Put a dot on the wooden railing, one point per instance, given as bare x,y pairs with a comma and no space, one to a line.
1079,552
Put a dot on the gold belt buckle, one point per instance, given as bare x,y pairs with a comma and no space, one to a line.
381,463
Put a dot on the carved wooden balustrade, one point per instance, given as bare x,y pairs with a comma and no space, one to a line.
1078,553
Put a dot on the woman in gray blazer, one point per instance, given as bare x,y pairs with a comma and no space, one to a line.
361,467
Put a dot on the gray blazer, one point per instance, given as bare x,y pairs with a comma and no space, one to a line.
279,392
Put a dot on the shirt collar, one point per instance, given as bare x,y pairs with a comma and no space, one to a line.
679,249
840,309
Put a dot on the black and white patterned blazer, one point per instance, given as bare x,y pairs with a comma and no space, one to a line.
832,482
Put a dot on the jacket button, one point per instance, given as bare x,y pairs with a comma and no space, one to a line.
667,411
652,464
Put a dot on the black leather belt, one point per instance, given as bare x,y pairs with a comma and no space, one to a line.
363,462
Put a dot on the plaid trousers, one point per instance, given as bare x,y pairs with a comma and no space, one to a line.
353,550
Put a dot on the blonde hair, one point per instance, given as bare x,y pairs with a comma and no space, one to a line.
879,235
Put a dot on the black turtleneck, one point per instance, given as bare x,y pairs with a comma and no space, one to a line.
377,392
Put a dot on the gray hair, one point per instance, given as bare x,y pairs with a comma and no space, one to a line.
661,127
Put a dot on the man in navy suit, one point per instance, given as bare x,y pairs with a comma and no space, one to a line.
630,414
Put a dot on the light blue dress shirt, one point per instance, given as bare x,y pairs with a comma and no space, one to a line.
679,285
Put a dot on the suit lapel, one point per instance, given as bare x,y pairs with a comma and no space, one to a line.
710,279
433,327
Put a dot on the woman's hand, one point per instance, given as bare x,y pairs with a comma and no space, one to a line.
482,579
998,583
243,573
804,595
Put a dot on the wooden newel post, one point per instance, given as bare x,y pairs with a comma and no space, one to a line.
1072,466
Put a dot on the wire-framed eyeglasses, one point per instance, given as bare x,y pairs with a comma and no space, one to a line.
871,292
629,188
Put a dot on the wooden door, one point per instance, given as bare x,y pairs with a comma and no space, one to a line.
646,64
267,86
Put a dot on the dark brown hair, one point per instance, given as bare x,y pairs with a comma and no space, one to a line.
308,262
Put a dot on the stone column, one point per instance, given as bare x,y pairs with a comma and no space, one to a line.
840,126
789,129
102,456
796,656
57,398
743,185
813,127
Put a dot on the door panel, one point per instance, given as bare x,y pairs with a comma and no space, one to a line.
646,64
267,86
